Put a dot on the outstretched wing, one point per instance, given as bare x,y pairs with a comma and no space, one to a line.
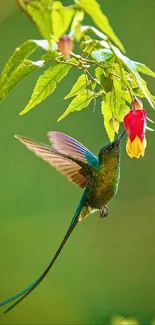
75,172
67,145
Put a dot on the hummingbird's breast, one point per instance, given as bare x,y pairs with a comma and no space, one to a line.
104,186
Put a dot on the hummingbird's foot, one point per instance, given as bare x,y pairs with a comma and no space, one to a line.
104,212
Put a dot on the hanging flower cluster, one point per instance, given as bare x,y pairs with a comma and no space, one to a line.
135,125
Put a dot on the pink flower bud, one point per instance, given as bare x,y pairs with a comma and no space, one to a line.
65,45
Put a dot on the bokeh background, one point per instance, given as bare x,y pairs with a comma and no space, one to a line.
108,266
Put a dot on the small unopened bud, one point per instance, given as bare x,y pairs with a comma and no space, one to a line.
114,124
65,45
137,103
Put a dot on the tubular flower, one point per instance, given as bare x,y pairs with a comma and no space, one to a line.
65,45
135,125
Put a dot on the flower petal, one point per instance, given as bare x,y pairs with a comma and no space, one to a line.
135,124
136,148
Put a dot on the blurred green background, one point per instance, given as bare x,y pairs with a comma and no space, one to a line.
108,266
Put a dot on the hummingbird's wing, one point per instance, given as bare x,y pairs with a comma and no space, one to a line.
76,172
24,293
68,145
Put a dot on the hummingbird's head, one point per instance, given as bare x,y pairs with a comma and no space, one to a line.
111,149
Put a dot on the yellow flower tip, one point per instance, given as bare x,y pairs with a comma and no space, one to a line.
136,148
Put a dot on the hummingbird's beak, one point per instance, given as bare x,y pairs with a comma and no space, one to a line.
117,141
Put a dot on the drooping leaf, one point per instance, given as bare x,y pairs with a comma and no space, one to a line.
114,109
96,32
140,67
103,56
61,18
25,68
46,84
22,52
41,15
80,84
137,90
79,102
93,9
18,67
144,84
132,67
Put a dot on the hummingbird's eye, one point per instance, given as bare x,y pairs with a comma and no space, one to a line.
109,148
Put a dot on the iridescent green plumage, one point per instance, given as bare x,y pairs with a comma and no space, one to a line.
98,176
103,183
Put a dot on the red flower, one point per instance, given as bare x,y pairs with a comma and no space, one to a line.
135,125
65,45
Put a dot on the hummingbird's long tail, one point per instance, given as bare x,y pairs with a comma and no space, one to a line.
24,293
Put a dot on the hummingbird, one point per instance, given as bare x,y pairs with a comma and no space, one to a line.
98,176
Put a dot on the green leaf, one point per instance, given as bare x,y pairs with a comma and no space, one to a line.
76,27
46,84
114,109
96,32
50,56
126,96
137,91
79,102
140,67
124,109
93,84
42,18
61,18
93,9
22,52
118,70
103,56
90,45
144,84
78,18
80,84
108,116
116,97
45,45
124,78
45,3
132,67
120,109
105,82
25,68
